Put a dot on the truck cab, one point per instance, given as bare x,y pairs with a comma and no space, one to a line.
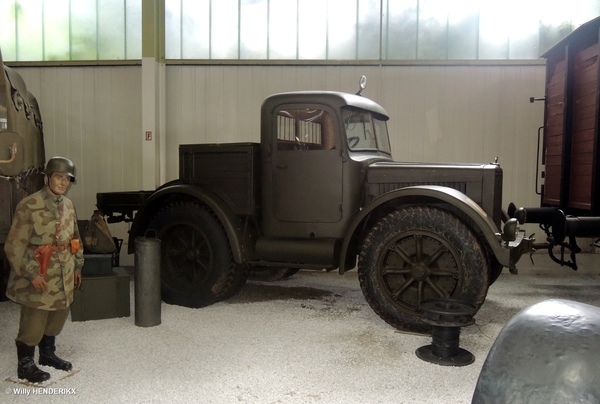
315,149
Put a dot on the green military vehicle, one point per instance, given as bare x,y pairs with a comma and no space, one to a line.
21,152
321,191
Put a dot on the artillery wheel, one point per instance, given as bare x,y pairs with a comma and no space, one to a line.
197,267
418,253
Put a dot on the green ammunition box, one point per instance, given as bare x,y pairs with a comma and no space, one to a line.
97,264
102,297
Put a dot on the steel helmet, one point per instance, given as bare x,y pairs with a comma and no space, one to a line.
59,164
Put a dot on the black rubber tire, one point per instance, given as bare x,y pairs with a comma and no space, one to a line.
417,253
495,269
271,274
495,266
237,283
197,267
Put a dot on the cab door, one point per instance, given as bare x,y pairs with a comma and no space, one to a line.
306,166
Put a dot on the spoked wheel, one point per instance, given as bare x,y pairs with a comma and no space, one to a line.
419,253
197,268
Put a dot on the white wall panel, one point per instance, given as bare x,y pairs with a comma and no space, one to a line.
92,115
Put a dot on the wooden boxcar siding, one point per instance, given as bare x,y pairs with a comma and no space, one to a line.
554,132
438,113
585,109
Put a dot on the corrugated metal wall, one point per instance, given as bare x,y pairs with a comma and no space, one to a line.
92,116
438,113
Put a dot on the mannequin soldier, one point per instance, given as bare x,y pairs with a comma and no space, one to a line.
43,249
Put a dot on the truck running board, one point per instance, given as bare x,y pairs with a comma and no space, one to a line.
301,251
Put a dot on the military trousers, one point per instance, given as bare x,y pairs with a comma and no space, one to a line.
36,323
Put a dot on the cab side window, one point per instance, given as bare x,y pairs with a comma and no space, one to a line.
304,129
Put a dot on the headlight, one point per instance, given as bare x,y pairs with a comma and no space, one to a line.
511,230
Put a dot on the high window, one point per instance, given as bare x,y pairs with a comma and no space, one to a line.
369,29
45,30
243,30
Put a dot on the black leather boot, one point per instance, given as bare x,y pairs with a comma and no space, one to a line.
47,356
27,369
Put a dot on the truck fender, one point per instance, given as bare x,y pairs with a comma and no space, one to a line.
231,223
426,194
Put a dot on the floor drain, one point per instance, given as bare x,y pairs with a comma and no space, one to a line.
446,316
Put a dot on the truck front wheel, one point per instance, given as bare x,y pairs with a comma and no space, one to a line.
418,253
197,268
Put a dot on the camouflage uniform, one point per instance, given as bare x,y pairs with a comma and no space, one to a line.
46,218
34,224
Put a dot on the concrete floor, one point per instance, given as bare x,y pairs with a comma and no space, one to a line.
309,339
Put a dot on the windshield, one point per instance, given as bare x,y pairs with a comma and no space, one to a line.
364,131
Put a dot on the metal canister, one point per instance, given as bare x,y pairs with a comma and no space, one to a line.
147,281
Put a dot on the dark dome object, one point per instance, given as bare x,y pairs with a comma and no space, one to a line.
547,353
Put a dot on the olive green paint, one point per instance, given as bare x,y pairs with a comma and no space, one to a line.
153,28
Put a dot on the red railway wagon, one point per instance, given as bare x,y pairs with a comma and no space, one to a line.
570,193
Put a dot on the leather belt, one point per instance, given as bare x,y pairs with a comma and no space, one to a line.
54,247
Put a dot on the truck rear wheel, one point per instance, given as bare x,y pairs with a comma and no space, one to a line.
419,253
197,268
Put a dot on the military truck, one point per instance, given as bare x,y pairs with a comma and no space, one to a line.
322,191
21,152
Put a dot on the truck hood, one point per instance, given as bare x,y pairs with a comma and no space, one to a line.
480,182
433,173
